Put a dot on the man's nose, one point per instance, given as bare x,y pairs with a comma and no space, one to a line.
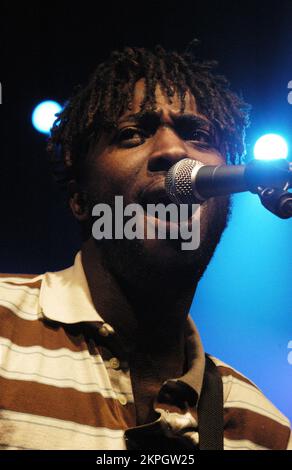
168,148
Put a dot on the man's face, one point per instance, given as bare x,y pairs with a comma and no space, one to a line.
133,160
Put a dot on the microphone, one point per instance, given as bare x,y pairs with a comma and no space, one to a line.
191,182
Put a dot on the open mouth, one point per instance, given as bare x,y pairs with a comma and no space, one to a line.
155,194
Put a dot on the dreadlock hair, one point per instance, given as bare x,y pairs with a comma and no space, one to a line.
109,94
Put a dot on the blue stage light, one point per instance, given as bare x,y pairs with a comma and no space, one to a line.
43,115
270,147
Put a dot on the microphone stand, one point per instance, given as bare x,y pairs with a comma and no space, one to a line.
277,200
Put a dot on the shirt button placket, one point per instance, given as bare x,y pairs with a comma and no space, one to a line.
114,363
122,399
105,330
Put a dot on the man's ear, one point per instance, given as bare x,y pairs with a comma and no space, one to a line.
78,201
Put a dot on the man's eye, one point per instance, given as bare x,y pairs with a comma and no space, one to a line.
202,137
131,136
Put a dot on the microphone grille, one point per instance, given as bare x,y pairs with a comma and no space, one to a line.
178,181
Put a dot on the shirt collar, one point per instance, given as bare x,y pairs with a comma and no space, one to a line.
195,358
65,296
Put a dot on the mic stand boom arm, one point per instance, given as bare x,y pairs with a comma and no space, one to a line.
277,199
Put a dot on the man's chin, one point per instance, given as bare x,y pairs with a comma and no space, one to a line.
191,256
166,251
153,258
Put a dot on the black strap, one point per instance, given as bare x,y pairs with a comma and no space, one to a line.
210,409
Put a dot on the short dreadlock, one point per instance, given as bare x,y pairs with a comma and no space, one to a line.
109,94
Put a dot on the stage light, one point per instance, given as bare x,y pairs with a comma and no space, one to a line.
270,147
43,115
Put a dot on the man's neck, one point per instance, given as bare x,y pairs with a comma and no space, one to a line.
150,320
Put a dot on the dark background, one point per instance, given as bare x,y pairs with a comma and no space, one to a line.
47,48
243,305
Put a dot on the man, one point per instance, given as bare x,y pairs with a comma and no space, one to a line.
103,355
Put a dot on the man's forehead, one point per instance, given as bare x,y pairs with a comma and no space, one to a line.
161,101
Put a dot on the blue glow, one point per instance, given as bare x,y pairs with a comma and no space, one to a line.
44,115
270,147
242,305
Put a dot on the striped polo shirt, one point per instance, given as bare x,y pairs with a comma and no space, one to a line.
65,382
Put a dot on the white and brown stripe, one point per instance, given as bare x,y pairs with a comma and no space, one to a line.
60,390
